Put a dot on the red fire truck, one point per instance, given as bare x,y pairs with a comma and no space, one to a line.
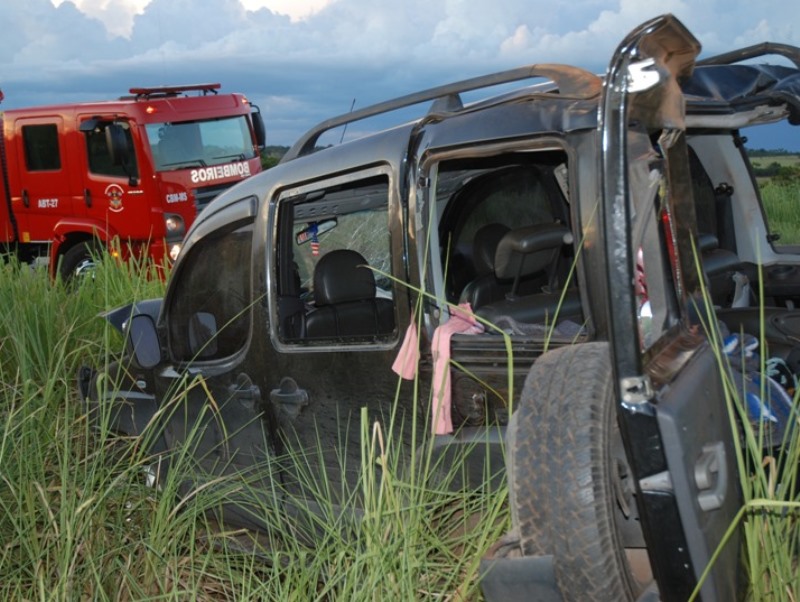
129,174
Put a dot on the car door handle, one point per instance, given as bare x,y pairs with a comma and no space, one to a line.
245,392
711,476
289,397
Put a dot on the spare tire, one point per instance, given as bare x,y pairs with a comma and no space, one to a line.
571,491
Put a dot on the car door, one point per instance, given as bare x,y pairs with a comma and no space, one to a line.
112,189
338,311
209,393
42,187
670,403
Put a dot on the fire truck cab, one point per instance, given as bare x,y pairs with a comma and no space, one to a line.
129,175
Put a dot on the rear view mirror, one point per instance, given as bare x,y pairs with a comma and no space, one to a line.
90,124
143,339
314,230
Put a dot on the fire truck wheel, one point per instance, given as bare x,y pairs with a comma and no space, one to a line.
572,494
79,260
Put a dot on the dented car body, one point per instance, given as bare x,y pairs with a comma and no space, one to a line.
568,215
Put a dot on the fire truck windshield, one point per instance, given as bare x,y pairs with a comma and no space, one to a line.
179,145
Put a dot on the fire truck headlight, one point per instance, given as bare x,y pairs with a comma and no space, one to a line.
174,250
174,224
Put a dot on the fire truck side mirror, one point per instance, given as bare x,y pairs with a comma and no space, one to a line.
118,145
258,127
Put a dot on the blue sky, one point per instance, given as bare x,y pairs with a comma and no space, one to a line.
303,61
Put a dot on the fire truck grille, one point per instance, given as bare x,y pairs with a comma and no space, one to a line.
203,196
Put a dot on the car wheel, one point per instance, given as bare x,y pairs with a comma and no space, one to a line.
571,490
79,261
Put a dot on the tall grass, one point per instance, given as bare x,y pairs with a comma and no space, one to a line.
780,204
769,483
768,472
78,521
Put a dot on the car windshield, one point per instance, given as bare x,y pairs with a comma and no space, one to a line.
178,145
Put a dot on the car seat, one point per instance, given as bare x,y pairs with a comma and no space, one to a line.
524,252
345,301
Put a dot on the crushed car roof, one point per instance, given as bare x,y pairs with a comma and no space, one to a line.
742,87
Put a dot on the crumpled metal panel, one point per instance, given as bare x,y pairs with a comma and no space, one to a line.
740,87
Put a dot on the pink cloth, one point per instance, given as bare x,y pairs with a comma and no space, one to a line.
461,320
407,360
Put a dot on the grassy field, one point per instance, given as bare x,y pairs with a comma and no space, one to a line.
779,178
782,205
77,521
784,160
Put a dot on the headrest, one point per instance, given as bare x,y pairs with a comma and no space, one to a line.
342,276
529,250
484,246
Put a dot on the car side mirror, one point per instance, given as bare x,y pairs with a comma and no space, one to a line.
143,339
203,335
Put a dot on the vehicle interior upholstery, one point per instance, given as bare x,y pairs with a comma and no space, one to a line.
344,299
731,283
507,248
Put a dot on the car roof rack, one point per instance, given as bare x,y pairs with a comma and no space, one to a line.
750,52
570,81
171,91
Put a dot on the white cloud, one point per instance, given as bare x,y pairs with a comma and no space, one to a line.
116,15
517,42
297,10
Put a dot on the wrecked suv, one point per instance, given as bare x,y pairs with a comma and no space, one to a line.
561,232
